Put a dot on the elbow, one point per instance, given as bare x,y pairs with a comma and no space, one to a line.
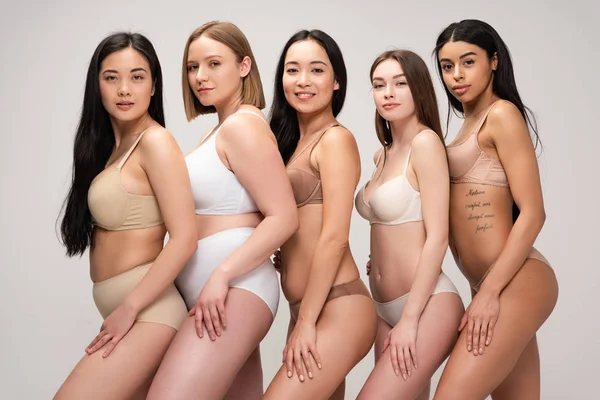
336,243
289,223
437,243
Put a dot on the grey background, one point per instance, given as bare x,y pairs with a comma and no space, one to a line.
47,311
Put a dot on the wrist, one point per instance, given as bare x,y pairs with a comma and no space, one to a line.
223,272
410,317
490,288
131,306
306,320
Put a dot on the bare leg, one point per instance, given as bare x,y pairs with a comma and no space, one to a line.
248,383
194,366
438,332
339,351
525,304
523,383
126,373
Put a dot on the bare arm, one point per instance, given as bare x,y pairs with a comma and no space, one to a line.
166,170
339,166
430,166
252,153
511,139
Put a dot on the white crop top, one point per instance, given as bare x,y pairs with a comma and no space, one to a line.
216,189
394,202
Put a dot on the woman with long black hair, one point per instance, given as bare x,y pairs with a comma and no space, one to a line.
333,319
496,213
130,186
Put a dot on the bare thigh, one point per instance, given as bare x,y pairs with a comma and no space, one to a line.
523,382
345,332
194,366
525,304
248,383
438,332
126,373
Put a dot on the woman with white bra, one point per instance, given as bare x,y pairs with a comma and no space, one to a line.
406,203
245,209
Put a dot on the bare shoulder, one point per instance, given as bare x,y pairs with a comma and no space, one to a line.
246,124
426,142
505,120
338,138
156,137
377,155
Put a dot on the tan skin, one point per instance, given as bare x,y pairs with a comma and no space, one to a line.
156,167
235,320
317,256
416,346
497,352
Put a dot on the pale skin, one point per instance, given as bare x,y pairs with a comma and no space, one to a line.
497,352
408,353
227,324
125,352
319,353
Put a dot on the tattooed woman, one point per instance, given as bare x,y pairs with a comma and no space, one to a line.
496,213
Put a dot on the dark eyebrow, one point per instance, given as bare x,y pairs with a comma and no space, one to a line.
114,71
393,77
470,53
312,62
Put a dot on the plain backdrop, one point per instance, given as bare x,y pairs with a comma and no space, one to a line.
47,312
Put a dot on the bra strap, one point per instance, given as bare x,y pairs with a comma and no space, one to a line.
482,120
244,111
313,143
124,159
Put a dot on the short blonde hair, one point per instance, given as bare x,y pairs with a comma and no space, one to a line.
232,37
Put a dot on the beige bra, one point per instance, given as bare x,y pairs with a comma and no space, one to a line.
306,185
115,209
394,202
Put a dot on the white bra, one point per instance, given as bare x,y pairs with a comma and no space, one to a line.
394,202
216,189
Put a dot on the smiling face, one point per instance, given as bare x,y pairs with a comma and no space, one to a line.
126,85
466,69
391,93
214,73
308,78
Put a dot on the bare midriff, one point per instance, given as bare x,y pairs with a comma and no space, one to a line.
207,225
480,222
116,252
395,254
298,252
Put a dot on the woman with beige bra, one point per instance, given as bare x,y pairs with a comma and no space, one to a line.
333,320
406,204
496,213
130,186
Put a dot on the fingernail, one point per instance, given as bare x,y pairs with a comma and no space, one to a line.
319,365
409,374
301,378
396,372
481,350
404,376
469,348
289,374
310,375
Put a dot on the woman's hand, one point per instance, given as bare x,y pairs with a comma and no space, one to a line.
480,319
300,347
113,329
402,341
210,307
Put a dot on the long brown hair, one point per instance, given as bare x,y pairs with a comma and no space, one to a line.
232,37
421,87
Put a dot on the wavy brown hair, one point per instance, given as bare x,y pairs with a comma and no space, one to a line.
421,88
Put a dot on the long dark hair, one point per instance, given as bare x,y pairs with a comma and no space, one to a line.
95,141
504,86
421,87
283,118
